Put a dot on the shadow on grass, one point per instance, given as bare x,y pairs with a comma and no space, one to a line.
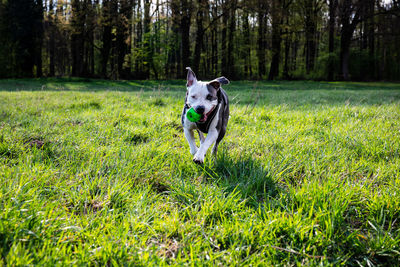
245,175
241,93
89,85
86,84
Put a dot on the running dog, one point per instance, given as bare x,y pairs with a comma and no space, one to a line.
211,101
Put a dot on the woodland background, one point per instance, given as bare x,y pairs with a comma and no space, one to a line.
157,39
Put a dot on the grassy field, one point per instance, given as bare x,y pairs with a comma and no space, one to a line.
99,172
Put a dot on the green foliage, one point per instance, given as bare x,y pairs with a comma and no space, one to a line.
322,65
97,172
123,39
362,65
20,31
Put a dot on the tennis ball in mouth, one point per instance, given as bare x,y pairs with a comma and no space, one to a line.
192,115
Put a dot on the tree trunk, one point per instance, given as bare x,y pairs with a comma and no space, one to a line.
348,27
214,43
287,50
224,50
138,42
202,7
39,37
261,43
106,37
186,14
332,21
371,38
230,53
310,46
51,43
286,65
174,58
276,41
89,22
124,35
62,52
21,27
77,38
247,46
147,45
311,8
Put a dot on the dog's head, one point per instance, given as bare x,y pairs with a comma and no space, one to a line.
203,96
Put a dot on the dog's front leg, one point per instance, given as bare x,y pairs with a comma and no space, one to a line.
210,139
190,138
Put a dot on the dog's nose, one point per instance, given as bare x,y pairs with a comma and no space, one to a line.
200,109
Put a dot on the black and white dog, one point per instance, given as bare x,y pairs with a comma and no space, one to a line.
211,101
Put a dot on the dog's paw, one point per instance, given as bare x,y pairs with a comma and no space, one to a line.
193,151
198,160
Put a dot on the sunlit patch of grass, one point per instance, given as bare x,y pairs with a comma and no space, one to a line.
99,172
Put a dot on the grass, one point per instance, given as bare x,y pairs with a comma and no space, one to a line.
98,172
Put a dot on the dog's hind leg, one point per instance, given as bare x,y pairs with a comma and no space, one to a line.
215,148
220,136
201,136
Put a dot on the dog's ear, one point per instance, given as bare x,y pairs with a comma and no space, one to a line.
191,77
217,82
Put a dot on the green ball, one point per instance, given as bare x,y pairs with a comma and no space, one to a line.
192,115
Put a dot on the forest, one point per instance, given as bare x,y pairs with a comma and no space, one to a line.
241,39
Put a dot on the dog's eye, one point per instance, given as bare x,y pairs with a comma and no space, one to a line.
209,97
193,96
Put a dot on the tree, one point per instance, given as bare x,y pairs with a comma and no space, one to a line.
147,45
262,16
38,28
200,16
106,22
349,13
24,28
152,39
246,47
186,15
278,12
332,21
310,11
77,37
5,43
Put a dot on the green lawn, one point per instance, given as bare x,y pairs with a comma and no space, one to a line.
99,172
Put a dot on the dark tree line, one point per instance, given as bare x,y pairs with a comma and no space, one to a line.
157,39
